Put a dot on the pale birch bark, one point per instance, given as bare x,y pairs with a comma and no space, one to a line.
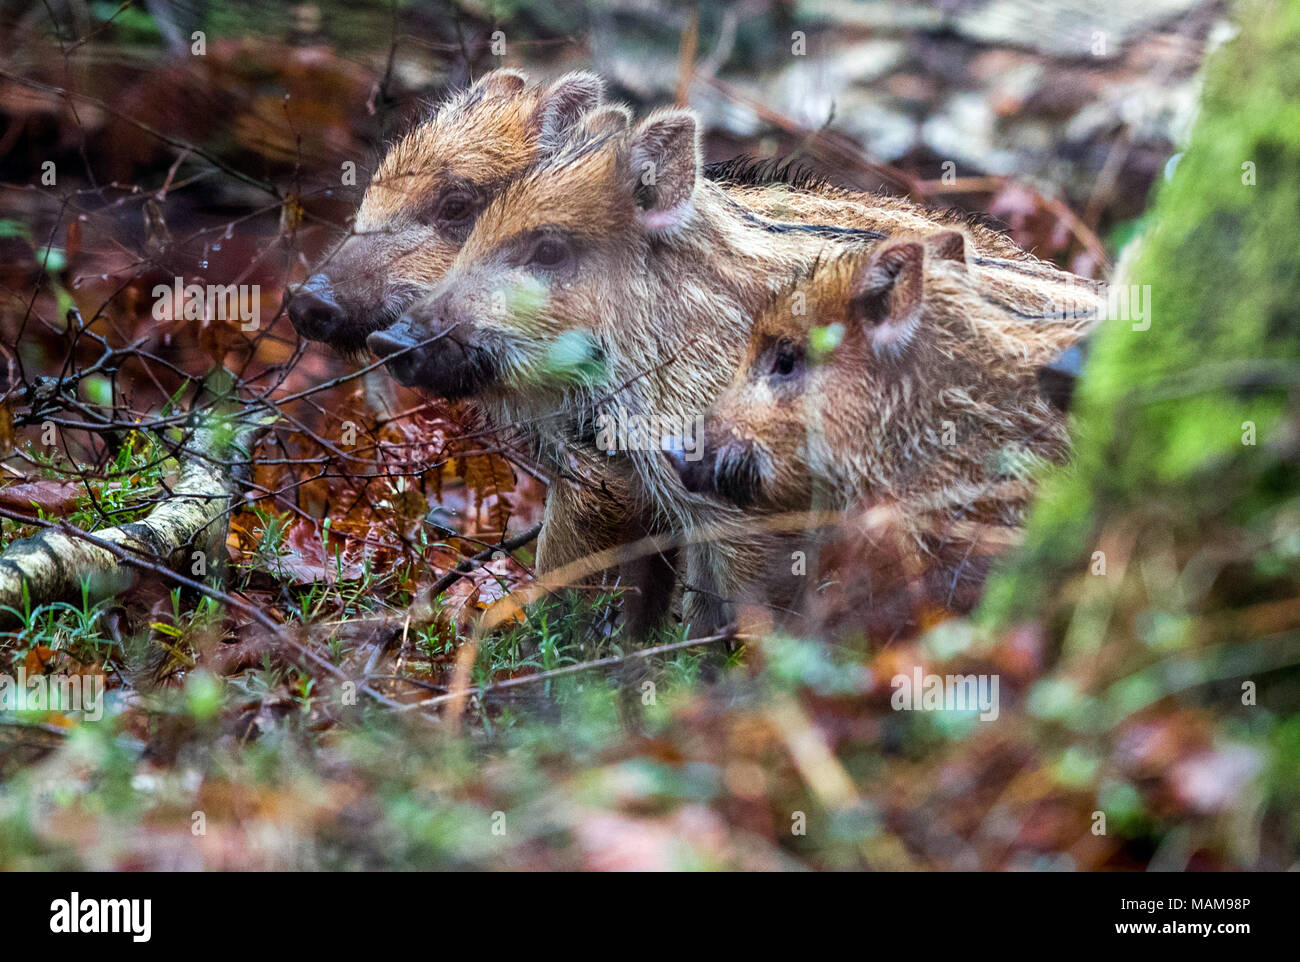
55,564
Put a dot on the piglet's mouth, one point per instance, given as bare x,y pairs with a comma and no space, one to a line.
448,364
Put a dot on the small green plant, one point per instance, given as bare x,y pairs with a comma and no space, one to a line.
61,626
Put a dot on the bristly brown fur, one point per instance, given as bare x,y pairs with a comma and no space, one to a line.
929,404
661,287
746,171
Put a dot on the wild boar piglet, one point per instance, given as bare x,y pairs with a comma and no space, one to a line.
426,194
905,373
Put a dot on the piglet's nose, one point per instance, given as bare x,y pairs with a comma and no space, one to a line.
399,346
391,339
315,313
696,474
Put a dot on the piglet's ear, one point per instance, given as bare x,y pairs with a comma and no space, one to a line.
564,104
664,161
947,245
887,295
505,82
609,119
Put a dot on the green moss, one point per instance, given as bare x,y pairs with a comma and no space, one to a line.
1163,414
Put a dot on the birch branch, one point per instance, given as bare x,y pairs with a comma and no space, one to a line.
54,564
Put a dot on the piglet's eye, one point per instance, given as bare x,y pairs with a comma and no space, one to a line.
549,252
787,358
455,208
